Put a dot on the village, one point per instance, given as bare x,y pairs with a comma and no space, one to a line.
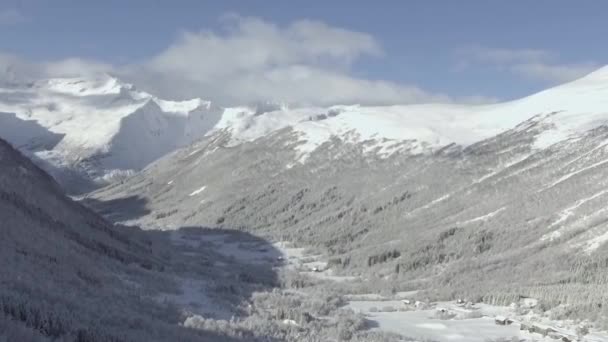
460,320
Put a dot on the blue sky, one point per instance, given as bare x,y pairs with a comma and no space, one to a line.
444,49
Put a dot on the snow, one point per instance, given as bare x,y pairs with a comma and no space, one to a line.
566,111
193,296
483,217
596,242
225,244
574,173
428,205
567,213
182,107
99,116
470,324
406,294
549,138
198,191
467,324
421,324
295,258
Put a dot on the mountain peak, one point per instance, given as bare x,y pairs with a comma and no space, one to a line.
94,122
600,74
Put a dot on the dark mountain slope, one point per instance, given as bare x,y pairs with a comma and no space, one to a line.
68,275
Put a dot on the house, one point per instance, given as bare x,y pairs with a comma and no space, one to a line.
501,320
419,305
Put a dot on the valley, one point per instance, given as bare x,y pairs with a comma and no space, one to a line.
189,221
407,314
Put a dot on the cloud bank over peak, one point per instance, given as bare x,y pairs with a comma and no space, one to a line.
251,60
305,62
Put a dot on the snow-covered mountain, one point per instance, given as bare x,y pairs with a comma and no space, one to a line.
495,201
97,127
69,275
569,109
62,263
96,130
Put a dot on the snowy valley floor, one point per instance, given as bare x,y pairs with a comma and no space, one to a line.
311,303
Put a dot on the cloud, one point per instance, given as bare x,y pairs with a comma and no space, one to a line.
15,70
73,67
534,64
251,44
558,73
249,59
11,17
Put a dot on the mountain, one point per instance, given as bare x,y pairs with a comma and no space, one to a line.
89,131
93,131
69,275
574,108
492,202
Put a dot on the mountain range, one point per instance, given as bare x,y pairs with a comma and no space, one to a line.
92,131
490,202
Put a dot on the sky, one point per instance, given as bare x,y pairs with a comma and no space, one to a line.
312,52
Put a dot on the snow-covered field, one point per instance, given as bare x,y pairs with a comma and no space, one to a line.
401,313
421,324
310,265
457,323
476,323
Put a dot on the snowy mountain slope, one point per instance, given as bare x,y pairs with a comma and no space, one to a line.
69,275
97,126
103,129
516,208
51,246
570,109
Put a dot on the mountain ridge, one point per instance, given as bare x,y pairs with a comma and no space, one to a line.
103,127
519,213
102,130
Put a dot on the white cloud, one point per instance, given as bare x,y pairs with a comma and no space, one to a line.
73,67
251,44
251,60
17,70
554,72
11,17
533,64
